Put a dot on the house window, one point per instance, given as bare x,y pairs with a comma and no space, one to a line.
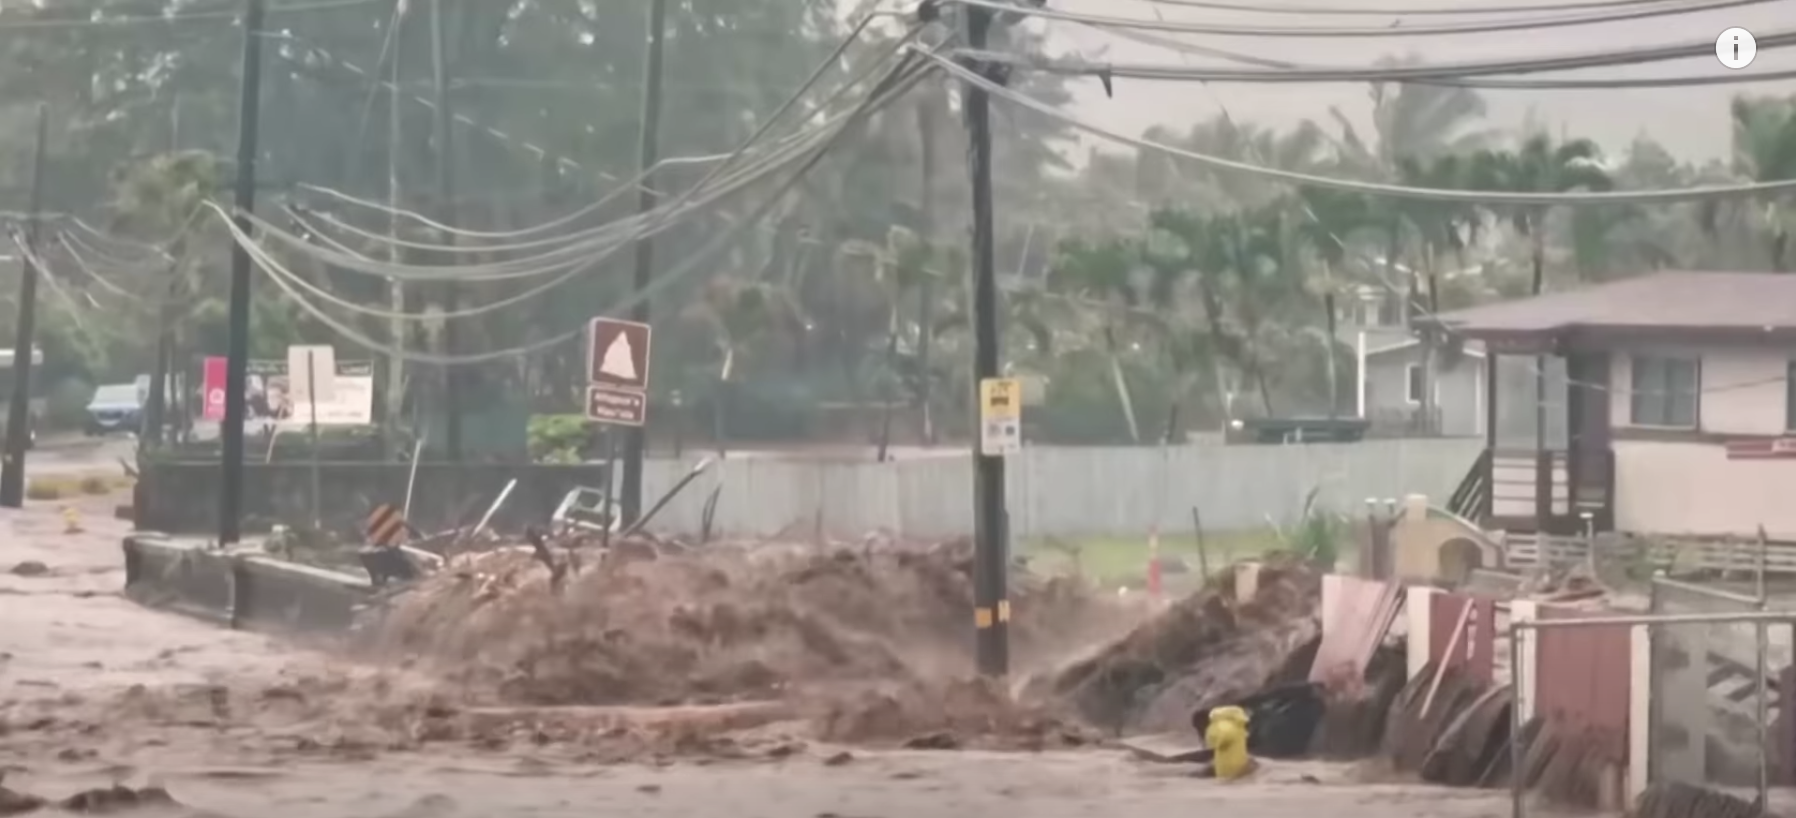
1665,391
1413,375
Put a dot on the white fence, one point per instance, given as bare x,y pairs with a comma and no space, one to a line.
1063,491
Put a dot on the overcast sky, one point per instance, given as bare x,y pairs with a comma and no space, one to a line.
1691,122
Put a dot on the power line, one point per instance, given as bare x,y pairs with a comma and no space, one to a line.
658,218
1190,73
1353,11
1391,73
170,18
900,80
1217,30
1488,197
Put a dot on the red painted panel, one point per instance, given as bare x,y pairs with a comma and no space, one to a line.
1583,679
1476,648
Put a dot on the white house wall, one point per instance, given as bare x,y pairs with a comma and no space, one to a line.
1690,487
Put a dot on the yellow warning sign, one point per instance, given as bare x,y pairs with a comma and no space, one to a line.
1000,399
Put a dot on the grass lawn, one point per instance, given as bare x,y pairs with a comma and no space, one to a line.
1123,560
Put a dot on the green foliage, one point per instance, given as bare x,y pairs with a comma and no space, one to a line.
1318,533
559,438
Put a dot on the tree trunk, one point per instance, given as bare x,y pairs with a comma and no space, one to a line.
926,231
1124,401
1328,351
1537,254
889,395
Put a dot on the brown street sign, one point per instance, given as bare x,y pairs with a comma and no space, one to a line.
618,353
386,525
622,407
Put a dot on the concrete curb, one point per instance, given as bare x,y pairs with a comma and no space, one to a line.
242,590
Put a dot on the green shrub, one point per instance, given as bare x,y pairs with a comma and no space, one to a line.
558,438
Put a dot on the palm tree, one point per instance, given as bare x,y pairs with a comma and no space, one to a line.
1330,221
738,312
1539,166
1417,122
904,268
1764,150
1101,275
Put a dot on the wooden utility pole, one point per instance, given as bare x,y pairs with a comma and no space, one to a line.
445,173
249,116
18,414
991,560
648,154
395,397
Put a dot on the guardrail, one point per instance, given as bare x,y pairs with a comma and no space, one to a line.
239,590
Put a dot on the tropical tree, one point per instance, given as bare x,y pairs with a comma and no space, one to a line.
1539,165
1764,150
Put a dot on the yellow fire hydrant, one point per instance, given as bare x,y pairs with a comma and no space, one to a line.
1226,736
71,520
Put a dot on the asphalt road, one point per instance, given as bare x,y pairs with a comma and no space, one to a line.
78,455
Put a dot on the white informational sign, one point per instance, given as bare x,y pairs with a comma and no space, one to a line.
1000,437
309,368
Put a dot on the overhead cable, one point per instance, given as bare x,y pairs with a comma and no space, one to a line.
1374,11
1487,197
171,17
1190,73
1218,30
613,236
628,186
542,154
1386,73
901,79
532,293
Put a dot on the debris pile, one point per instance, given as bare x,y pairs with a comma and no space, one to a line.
867,640
1207,650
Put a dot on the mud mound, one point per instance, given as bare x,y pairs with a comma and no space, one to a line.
1206,649
971,712
709,626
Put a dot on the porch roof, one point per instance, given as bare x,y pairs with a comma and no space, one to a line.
1667,305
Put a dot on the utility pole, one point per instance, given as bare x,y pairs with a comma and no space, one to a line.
648,153
445,134
395,398
991,559
156,405
18,410
249,117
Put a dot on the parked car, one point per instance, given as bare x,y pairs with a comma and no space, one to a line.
115,408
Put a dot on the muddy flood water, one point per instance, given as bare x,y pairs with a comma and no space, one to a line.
95,690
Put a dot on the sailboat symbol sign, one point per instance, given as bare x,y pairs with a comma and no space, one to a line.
618,354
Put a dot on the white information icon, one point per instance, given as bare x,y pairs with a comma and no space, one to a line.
1736,48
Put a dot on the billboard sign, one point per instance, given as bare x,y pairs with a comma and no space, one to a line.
271,398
